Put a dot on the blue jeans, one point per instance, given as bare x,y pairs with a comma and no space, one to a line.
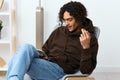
26,60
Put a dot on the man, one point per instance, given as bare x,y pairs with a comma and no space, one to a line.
69,48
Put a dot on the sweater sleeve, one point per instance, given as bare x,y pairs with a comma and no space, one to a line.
89,58
46,46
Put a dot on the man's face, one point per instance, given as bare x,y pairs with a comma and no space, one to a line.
69,21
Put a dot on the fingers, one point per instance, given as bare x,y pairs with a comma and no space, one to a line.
85,39
43,56
85,33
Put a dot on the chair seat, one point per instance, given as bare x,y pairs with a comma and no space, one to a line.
67,77
78,78
78,75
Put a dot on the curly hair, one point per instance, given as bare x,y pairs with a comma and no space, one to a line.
76,9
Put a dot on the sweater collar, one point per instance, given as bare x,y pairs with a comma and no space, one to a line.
73,33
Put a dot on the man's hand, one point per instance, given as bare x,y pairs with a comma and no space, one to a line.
43,56
85,39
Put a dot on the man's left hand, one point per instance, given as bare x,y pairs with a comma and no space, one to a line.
85,39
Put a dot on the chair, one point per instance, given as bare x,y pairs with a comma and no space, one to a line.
97,31
78,75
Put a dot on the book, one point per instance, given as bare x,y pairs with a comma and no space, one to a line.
1,4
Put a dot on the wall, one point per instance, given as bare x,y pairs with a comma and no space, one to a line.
104,13
26,21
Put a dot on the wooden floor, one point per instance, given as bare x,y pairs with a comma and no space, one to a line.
97,76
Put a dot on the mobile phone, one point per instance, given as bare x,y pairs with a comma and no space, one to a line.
42,52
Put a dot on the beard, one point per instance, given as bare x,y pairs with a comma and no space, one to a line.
77,27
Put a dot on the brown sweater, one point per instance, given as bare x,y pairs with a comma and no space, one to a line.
64,48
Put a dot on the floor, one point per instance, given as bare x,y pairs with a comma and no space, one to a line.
97,75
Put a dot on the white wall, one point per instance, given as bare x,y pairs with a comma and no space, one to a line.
104,13
26,21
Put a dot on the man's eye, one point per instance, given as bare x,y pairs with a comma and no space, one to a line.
70,19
